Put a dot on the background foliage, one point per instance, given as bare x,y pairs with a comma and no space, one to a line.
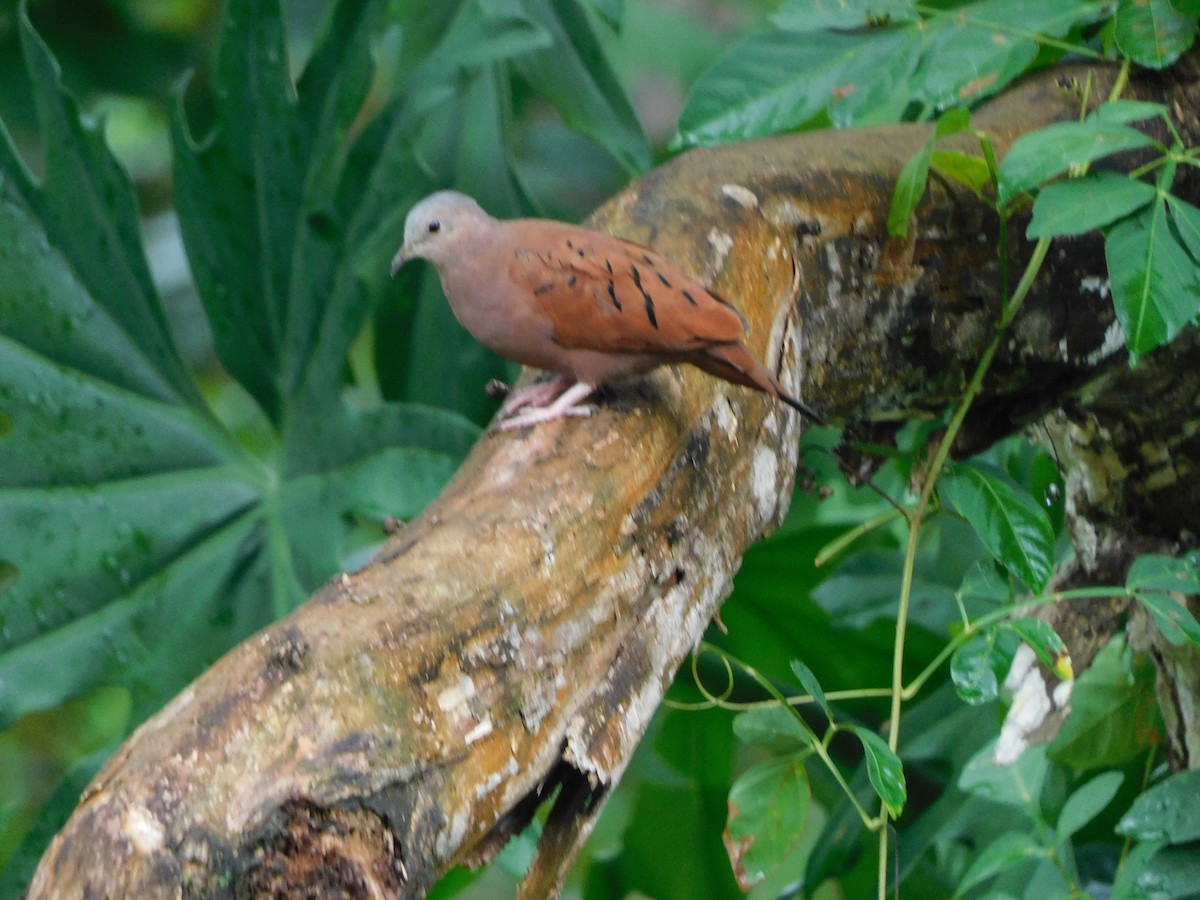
184,457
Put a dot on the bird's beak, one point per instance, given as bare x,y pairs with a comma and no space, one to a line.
399,259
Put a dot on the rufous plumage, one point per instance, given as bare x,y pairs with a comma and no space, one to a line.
588,306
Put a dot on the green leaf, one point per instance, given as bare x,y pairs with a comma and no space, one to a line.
1018,784
681,774
1004,853
104,262
250,168
864,587
985,580
974,669
782,79
574,76
1174,620
1079,205
910,188
1122,112
1166,812
1114,712
952,121
1156,289
1040,155
884,770
1187,222
137,537
1086,803
1011,524
777,81
611,12
967,169
1171,873
811,686
1129,884
768,808
1044,641
982,46
1153,33
818,15
774,727
1153,572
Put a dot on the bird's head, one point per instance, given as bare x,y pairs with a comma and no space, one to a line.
437,227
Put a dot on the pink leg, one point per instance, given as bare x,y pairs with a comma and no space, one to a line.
567,404
536,394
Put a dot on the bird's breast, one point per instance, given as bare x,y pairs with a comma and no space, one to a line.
499,316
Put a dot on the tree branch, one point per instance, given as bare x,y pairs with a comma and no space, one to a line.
515,640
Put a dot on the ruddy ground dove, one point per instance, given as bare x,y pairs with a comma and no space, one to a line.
588,306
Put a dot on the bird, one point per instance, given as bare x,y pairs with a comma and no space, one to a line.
590,307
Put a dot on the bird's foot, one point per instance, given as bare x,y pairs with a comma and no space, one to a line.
567,404
536,394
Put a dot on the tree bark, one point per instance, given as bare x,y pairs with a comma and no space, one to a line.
515,639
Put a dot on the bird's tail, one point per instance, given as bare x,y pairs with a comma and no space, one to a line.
735,363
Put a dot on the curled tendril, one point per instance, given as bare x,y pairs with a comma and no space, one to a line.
711,700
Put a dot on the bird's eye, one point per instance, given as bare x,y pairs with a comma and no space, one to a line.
435,226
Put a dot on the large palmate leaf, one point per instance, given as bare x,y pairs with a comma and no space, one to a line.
138,539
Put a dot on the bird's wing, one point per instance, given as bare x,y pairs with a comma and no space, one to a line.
603,293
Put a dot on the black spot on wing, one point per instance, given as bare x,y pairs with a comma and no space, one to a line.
689,298
571,281
544,289
637,280
612,292
650,311
662,278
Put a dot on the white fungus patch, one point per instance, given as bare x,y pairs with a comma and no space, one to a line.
740,195
482,730
1030,707
143,829
764,482
1114,340
1032,704
450,838
725,417
721,243
1095,285
832,260
1062,693
494,780
456,694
